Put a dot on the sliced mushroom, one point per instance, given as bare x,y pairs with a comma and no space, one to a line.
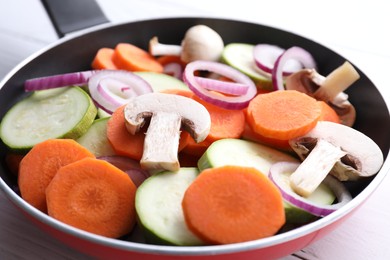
168,114
337,149
200,43
329,89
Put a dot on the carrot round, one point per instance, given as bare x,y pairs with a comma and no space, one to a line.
225,123
93,195
126,144
328,113
232,204
249,134
41,163
180,92
130,57
196,149
283,115
121,140
103,59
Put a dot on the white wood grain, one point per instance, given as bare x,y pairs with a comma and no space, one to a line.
355,29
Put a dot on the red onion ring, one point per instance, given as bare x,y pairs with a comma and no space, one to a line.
226,87
342,194
60,80
114,95
129,166
265,56
227,102
296,53
108,88
174,69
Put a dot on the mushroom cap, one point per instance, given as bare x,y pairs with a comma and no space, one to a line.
194,116
309,81
364,157
201,43
304,80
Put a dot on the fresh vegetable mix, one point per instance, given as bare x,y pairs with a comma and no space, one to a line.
41,164
223,199
93,195
233,204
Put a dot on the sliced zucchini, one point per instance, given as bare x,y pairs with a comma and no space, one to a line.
160,81
323,195
102,114
242,153
240,57
95,139
55,113
158,205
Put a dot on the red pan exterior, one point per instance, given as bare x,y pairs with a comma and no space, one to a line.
272,252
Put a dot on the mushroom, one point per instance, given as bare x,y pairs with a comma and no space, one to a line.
168,114
200,43
333,148
329,89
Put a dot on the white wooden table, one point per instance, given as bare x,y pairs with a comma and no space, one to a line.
356,29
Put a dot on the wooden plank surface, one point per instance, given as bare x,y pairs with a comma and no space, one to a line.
356,29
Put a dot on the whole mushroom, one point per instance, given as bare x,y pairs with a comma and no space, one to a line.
329,89
200,43
333,148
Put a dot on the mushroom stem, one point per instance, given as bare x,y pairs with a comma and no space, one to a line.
162,142
157,49
336,82
313,170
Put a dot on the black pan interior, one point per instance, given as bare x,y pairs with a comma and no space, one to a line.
76,55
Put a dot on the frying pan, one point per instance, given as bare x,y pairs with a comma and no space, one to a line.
75,54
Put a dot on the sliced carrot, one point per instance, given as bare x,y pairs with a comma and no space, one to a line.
133,58
166,59
129,145
224,123
232,204
121,140
93,195
181,92
196,149
283,115
104,59
328,113
40,164
249,134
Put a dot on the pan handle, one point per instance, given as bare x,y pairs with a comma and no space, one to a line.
73,15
